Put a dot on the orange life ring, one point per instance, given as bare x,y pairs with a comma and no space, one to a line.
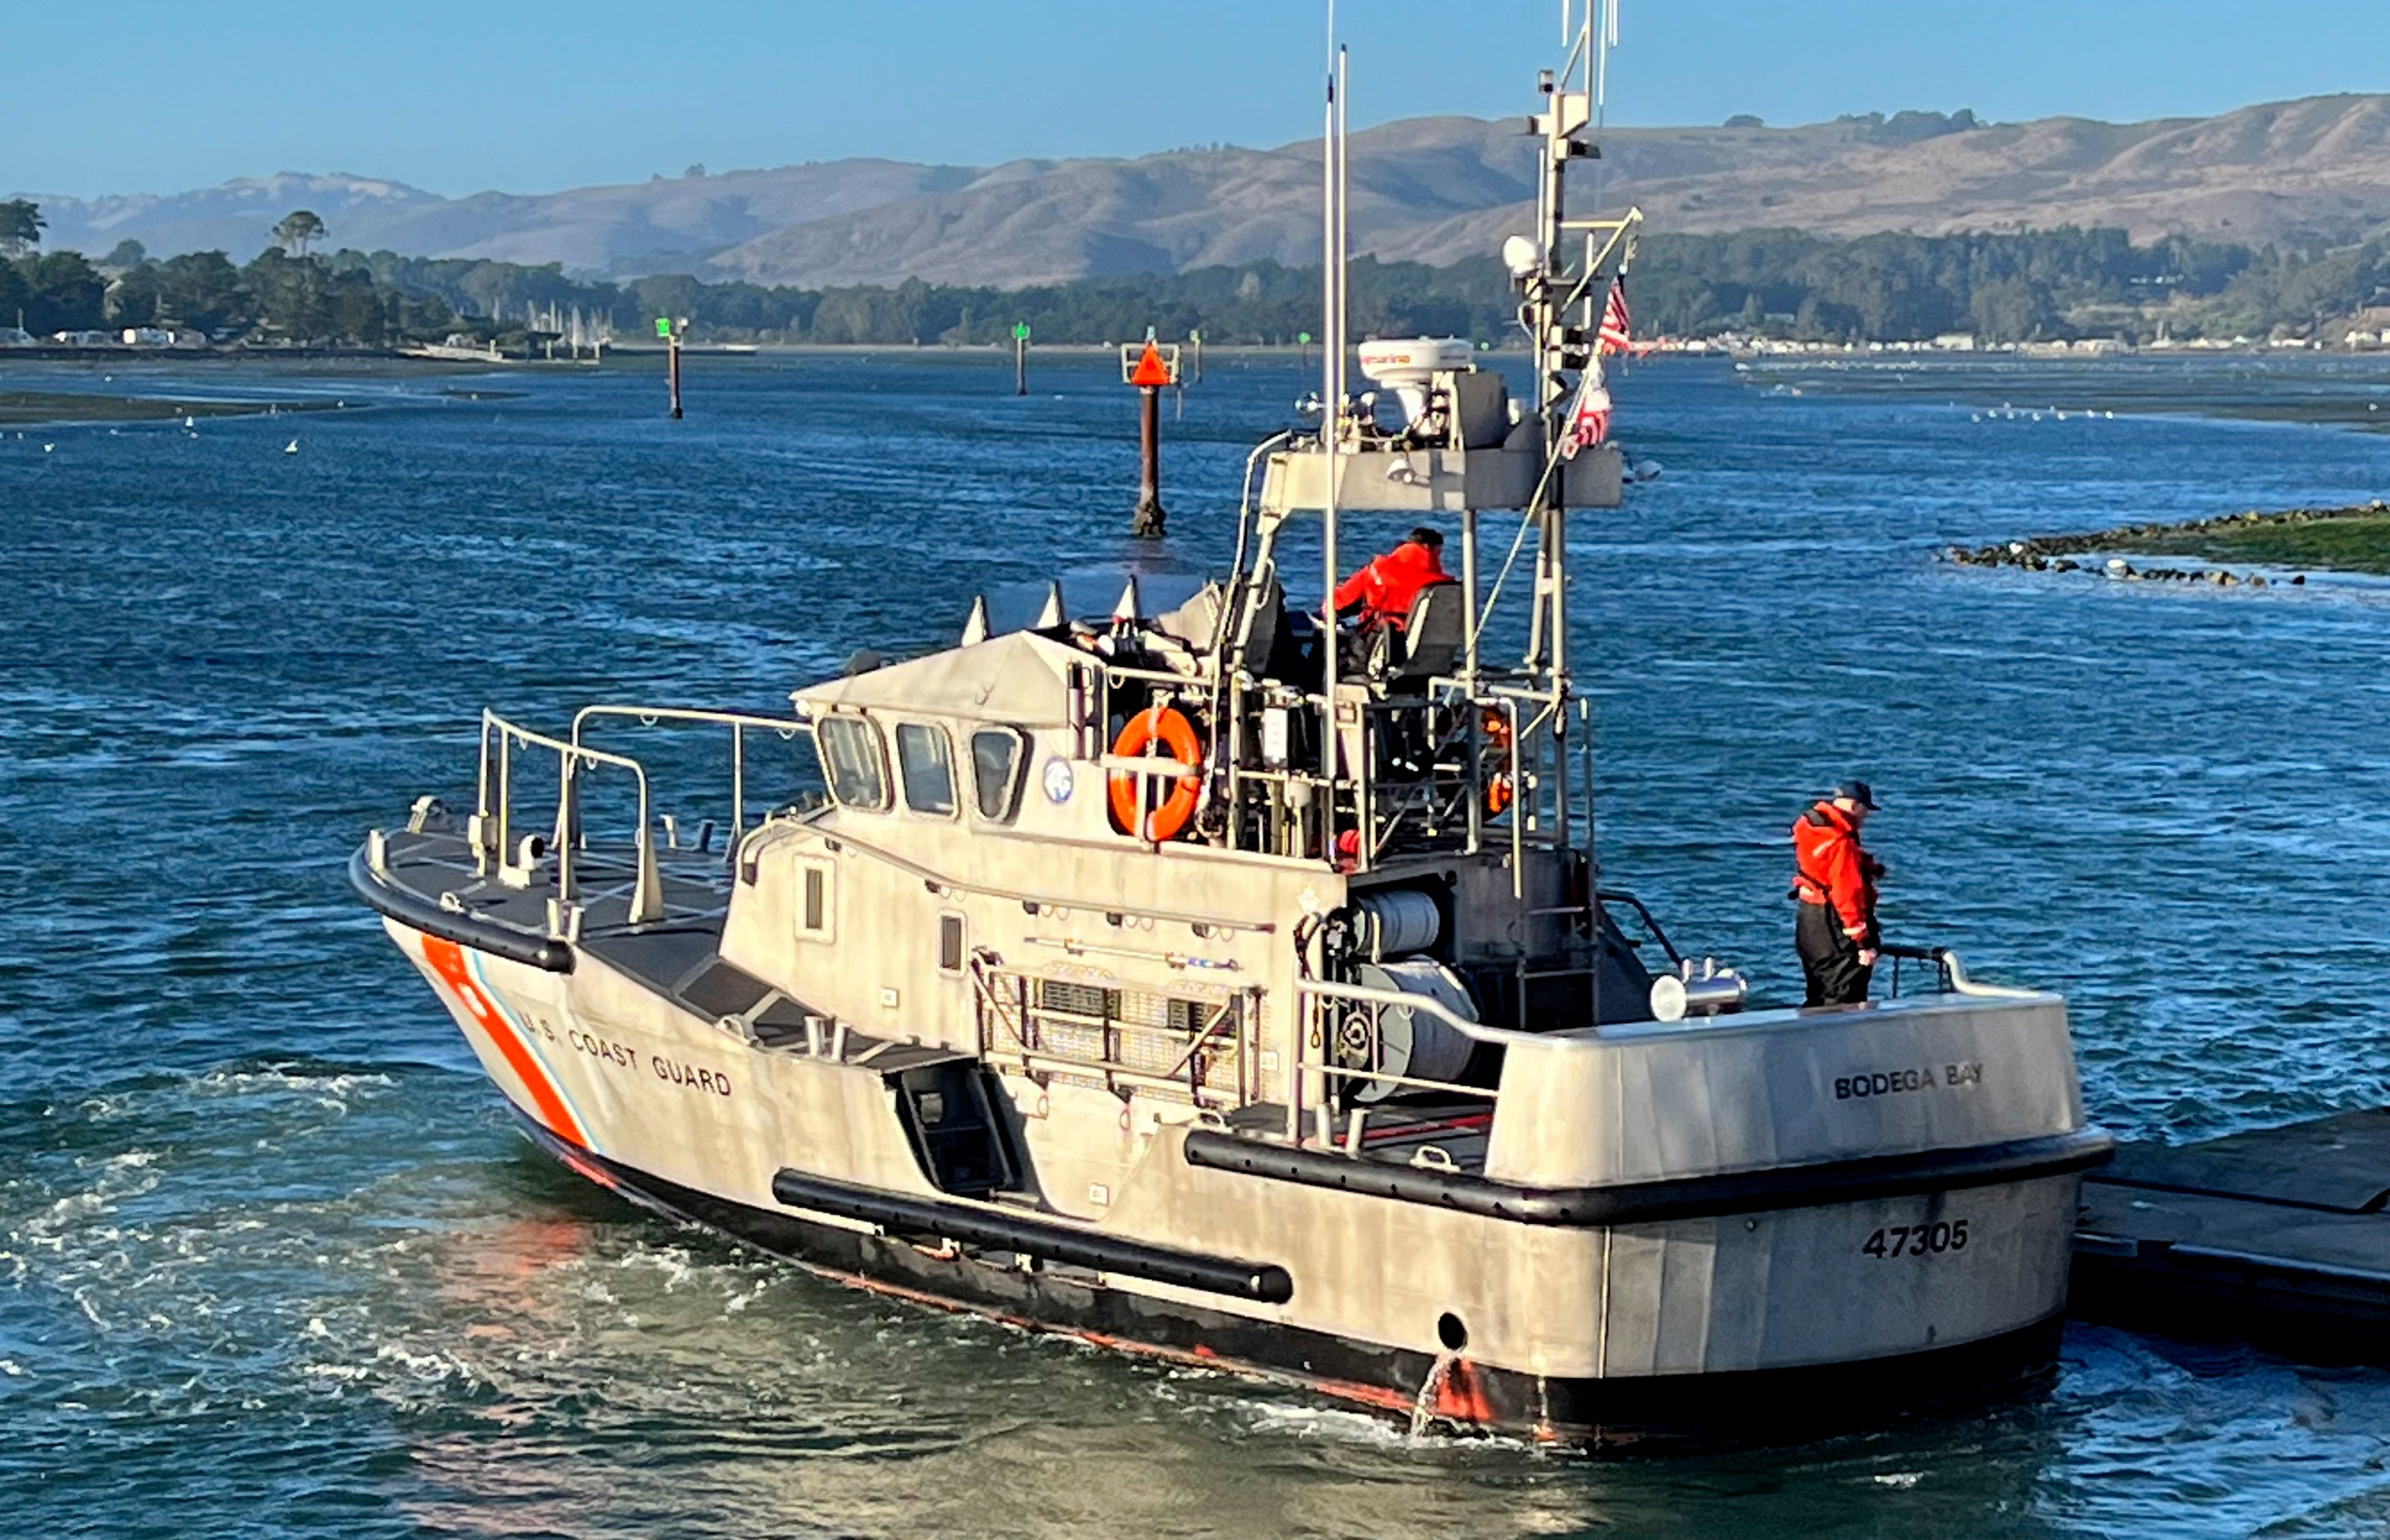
1168,727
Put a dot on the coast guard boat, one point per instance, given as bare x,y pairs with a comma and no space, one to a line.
1218,985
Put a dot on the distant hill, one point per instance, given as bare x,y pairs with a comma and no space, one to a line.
1425,189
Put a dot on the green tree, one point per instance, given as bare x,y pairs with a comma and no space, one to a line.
296,230
67,293
354,311
2010,310
289,295
203,289
133,298
125,254
20,226
15,295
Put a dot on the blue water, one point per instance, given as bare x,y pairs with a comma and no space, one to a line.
272,1262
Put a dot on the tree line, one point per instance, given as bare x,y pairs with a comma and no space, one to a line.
2000,288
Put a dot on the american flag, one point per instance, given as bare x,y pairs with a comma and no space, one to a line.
1589,421
1613,337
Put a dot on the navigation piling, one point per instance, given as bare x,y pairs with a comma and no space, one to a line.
670,332
1020,359
1152,374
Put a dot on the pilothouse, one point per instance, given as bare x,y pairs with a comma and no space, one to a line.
1235,986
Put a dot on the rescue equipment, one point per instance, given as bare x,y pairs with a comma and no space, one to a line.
1169,726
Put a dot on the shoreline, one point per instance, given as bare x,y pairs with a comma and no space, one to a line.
66,408
2355,539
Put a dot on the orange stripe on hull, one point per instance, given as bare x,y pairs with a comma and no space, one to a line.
447,960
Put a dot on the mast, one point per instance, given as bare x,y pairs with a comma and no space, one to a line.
1331,404
1464,448
1564,298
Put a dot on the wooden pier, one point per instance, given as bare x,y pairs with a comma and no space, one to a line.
2277,1237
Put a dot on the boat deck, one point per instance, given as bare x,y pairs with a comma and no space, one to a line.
680,957
439,867
2279,1236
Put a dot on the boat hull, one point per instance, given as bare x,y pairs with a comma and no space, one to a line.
1716,1310
1447,1392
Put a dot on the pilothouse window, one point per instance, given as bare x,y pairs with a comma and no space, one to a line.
928,767
854,762
996,771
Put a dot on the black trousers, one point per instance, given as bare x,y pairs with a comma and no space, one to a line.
1830,960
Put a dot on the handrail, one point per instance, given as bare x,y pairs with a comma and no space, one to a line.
647,893
1308,991
1956,972
1650,922
944,883
788,727
1477,1032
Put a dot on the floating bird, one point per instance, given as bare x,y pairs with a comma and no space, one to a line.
47,447
290,448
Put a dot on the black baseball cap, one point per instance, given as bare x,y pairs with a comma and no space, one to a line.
1856,791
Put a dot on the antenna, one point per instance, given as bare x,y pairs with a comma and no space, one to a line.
1606,39
1331,360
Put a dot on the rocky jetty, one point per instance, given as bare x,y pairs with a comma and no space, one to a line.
2246,535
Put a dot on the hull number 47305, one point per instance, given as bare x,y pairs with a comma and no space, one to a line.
1916,1241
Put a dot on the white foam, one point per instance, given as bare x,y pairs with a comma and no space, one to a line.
338,1371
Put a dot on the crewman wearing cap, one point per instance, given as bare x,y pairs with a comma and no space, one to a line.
1383,592
1834,881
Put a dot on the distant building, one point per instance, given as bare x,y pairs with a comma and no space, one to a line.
1955,341
148,337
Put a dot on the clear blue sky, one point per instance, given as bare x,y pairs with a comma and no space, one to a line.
534,95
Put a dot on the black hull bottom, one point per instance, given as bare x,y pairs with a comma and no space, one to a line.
1761,1404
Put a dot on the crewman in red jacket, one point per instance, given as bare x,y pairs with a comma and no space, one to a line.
1383,592
1834,881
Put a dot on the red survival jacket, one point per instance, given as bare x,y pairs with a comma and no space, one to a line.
1387,587
1830,867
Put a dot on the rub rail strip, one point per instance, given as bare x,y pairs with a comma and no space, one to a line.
1656,1203
1264,1282
483,935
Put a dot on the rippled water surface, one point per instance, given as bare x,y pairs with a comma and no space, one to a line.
272,1261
